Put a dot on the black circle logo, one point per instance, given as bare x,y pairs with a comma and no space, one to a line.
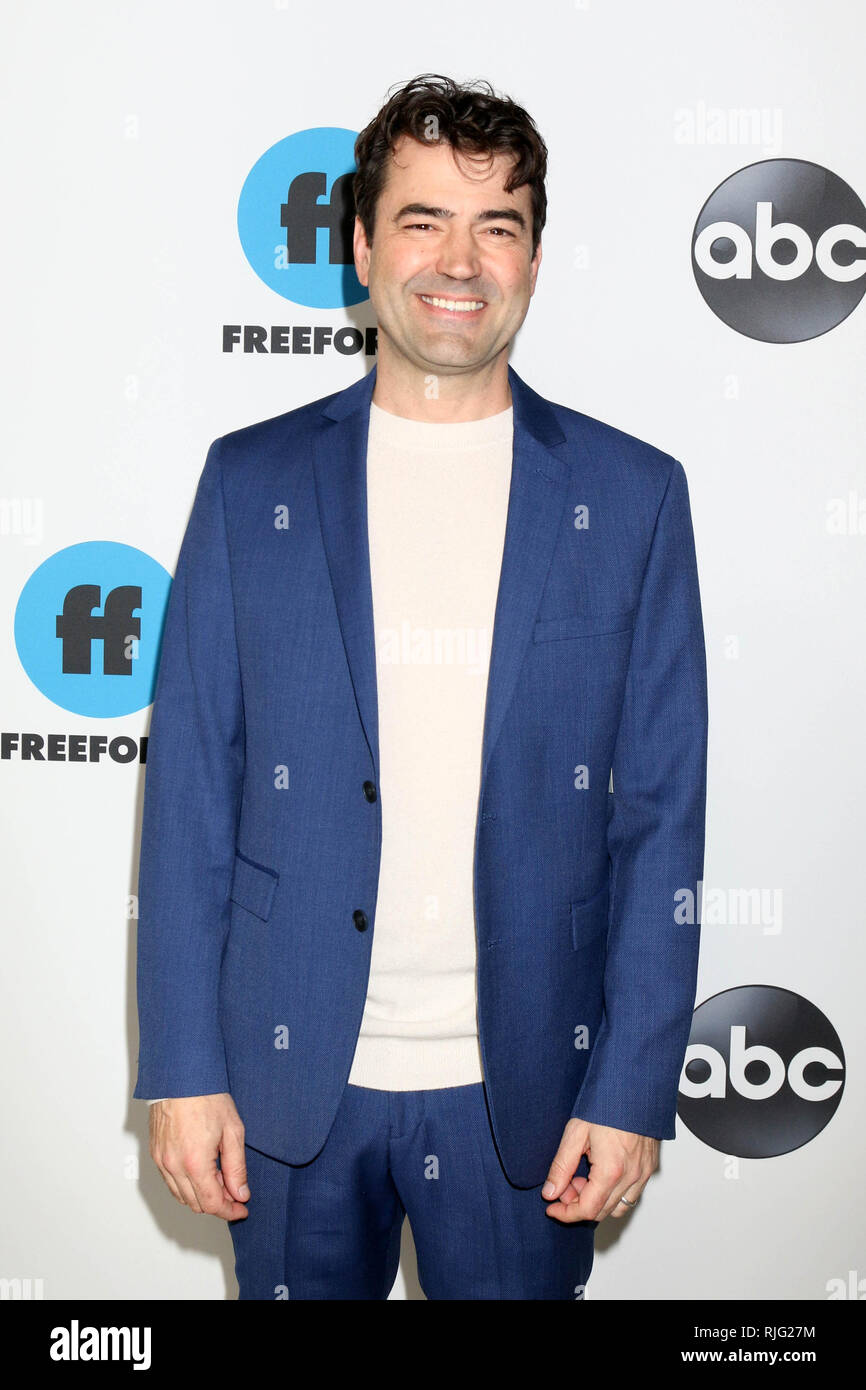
763,1073
779,250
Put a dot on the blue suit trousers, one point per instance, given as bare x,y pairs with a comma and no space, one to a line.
330,1228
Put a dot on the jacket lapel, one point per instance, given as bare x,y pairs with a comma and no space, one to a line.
535,502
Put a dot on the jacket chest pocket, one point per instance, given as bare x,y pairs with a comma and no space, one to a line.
582,625
253,886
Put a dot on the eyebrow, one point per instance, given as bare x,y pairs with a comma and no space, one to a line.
486,215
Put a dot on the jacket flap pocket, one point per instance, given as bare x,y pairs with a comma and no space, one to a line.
589,917
582,625
253,886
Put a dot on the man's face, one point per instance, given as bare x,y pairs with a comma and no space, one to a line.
446,230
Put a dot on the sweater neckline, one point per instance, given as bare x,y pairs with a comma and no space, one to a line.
463,434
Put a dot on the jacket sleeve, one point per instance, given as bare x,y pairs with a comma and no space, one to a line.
193,780
655,843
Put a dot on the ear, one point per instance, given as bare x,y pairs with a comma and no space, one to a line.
362,252
533,270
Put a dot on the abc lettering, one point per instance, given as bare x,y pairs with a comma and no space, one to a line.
740,1057
766,237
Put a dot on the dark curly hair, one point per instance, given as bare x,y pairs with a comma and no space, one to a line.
468,116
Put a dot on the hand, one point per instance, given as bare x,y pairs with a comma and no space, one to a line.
186,1134
621,1165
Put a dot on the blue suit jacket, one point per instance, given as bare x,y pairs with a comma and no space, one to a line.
262,822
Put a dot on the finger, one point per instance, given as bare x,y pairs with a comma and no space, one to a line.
211,1194
565,1204
575,1210
573,1191
233,1164
170,1183
596,1195
621,1208
181,1176
633,1193
190,1195
564,1164
568,1215
632,1190
592,1198
238,1210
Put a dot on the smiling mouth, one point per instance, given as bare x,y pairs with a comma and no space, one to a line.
458,306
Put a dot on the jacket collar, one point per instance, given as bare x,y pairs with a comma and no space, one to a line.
537,495
532,412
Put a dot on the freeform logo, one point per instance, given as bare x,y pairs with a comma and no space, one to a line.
296,218
763,1073
91,662
779,250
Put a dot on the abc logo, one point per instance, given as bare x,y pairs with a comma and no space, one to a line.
763,1072
296,218
779,250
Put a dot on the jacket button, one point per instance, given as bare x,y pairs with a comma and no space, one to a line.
360,919
370,791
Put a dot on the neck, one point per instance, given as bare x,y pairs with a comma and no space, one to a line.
417,393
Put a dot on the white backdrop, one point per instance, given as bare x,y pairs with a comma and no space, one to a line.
128,130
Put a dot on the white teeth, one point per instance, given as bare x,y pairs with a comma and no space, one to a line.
461,305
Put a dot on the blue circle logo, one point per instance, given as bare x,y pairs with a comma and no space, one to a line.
296,218
88,626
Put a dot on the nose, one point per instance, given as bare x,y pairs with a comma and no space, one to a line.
458,256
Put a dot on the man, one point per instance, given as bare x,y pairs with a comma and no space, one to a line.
408,939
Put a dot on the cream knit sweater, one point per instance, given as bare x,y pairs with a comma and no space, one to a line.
437,498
